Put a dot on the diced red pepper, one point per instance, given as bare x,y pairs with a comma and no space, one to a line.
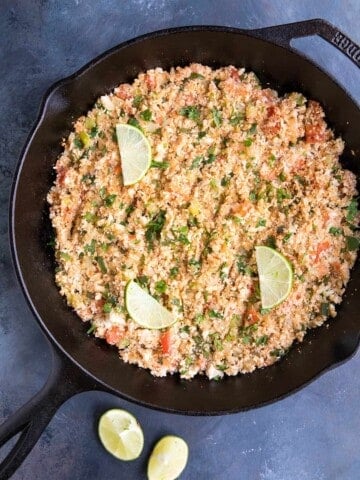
251,315
165,341
113,335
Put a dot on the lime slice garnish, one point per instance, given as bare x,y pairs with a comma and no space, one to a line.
144,309
168,459
135,153
275,276
121,434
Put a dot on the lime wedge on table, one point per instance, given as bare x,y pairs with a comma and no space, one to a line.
168,459
120,434
144,309
135,153
275,276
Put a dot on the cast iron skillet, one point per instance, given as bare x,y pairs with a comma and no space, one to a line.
82,363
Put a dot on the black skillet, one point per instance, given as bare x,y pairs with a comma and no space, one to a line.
79,361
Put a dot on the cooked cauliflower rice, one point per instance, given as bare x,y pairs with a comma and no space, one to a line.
234,166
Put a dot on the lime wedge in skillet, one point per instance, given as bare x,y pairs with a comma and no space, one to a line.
168,459
144,309
135,153
121,434
275,276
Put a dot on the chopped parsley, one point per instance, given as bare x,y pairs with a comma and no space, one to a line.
271,242
215,314
195,75
252,129
137,101
174,271
282,194
248,142
226,179
88,179
261,222
90,217
134,123
352,210
160,286
90,247
110,199
196,162
162,165
352,243
143,281
236,118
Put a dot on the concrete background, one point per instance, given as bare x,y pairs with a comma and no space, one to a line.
312,435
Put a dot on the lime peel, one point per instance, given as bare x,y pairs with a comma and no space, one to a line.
275,276
121,434
135,153
145,310
168,459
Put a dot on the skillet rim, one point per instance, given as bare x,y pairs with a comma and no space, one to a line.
41,115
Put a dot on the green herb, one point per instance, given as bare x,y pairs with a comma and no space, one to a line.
174,271
101,264
352,210
146,115
247,333
105,246
222,272
107,307
271,242
90,247
201,135
272,160
65,256
221,367
282,177
248,142
129,209
91,329
199,317
185,329
88,179
93,131
134,123
195,75
300,100
252,129
211,156
261,222
192,221
196,162
282,194
278,352
325,309
114,135
191,112
236,118
143,281
102,192
242,266
178,303
137,101
287,237
215,314
352,243
154,228
253,196
90,217
181,235
263,340
217,118
216,341
110,199
301,180
160,286
78,142
265,311
162,165
336,231
226,179
195,263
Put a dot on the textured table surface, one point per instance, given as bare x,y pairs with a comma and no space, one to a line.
312,435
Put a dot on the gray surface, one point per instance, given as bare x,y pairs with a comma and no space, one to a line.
313,434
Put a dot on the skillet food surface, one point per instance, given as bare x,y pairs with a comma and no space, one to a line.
234,166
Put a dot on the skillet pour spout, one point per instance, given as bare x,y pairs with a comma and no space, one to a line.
82,363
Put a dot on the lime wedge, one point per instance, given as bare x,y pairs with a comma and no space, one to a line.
135,153
121,434
168,459
144,309
275,276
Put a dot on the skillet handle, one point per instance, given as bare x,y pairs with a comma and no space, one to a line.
283,34
64,381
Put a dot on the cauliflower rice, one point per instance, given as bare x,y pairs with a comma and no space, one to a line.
234,166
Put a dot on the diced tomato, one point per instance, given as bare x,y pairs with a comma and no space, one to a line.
165,341
321,248
113,335
315,133
123,91
117,170
251,315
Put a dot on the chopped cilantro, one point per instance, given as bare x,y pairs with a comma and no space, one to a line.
215,314
90,217
174,272
143,281
217,118
261,222
236,118
146,115
90,247
352,243
110,199
134,123
252,129
154,228
196,162
271,242
65,256
287,237
248,142
263,340
137,101
195,75
88,179
101,264
201,135
162,165
282,194
191,112
352,210
226,179
160,286
282,177
336,231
